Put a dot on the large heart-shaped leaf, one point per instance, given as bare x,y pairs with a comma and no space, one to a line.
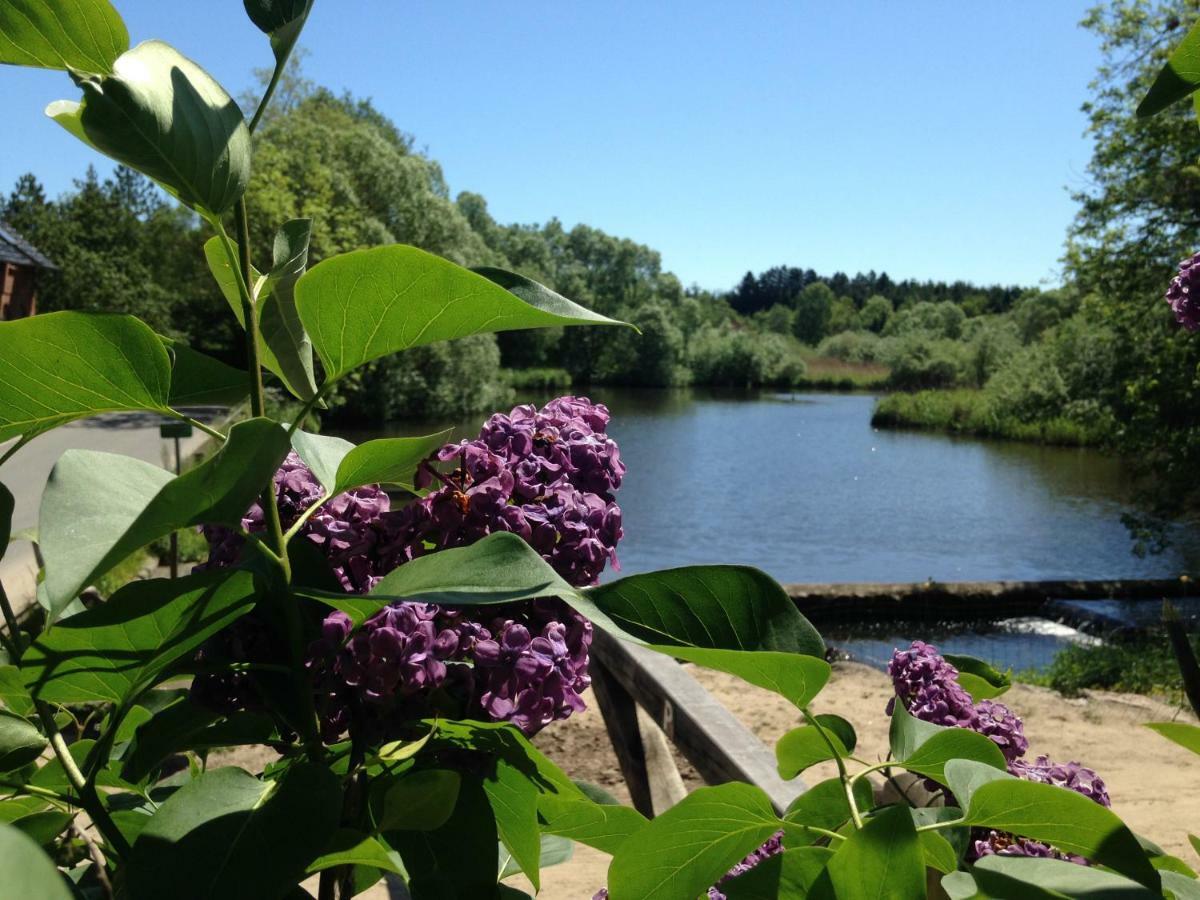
366,304
185,725
200,380
99,507
1177,79
119,648
163,115
1060,817
341,466
981,680
882,859
826,806
28,872
691,845
604,826
228,834
721,607
84,36
415,801
62,366
808,745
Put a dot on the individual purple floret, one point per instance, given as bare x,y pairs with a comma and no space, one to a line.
996,721
1183,294
546,475
343,528
1072,776
929,688
772,847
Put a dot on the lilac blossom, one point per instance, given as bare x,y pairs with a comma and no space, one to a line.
928,686
996,721
546,475
1183,294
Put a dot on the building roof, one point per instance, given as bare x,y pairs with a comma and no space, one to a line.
15,249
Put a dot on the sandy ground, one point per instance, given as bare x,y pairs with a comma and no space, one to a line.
1155,785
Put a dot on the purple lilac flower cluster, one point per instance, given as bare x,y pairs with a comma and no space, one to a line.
928,686
772,847
345,528
526,664
1183,294
548,475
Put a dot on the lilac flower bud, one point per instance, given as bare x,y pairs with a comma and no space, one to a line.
1183,295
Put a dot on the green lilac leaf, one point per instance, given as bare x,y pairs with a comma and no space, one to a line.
804,747
1181,733
824,805
554,851
965,776
281,20
937,852
458,859
513,797
44,827
1011,876
77,35
279,324
119,648
841,728
788,874
353,848
162,114
793,676
185,725
28,872
18,807
61,366
1069,821
600,825
20,741
931,757
1177,79
200,380
906,732
978,678
415,801
1183,887
13,693
719,607
362,305
883,859
228,834
100,507
341,466
690,846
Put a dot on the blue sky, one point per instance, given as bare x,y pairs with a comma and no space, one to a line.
930,140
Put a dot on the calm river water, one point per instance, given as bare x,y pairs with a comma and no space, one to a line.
803,487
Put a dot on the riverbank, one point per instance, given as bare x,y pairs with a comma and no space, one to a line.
970,411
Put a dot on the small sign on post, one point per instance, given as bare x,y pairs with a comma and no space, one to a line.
176,431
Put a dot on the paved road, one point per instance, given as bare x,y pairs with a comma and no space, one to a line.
25,474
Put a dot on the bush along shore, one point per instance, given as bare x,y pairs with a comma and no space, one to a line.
971,411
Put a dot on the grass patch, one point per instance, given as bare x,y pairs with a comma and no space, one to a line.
827,373
537,379
1141,665
969,411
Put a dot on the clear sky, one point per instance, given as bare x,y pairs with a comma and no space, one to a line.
932,139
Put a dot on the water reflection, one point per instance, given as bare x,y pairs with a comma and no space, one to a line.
802,487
